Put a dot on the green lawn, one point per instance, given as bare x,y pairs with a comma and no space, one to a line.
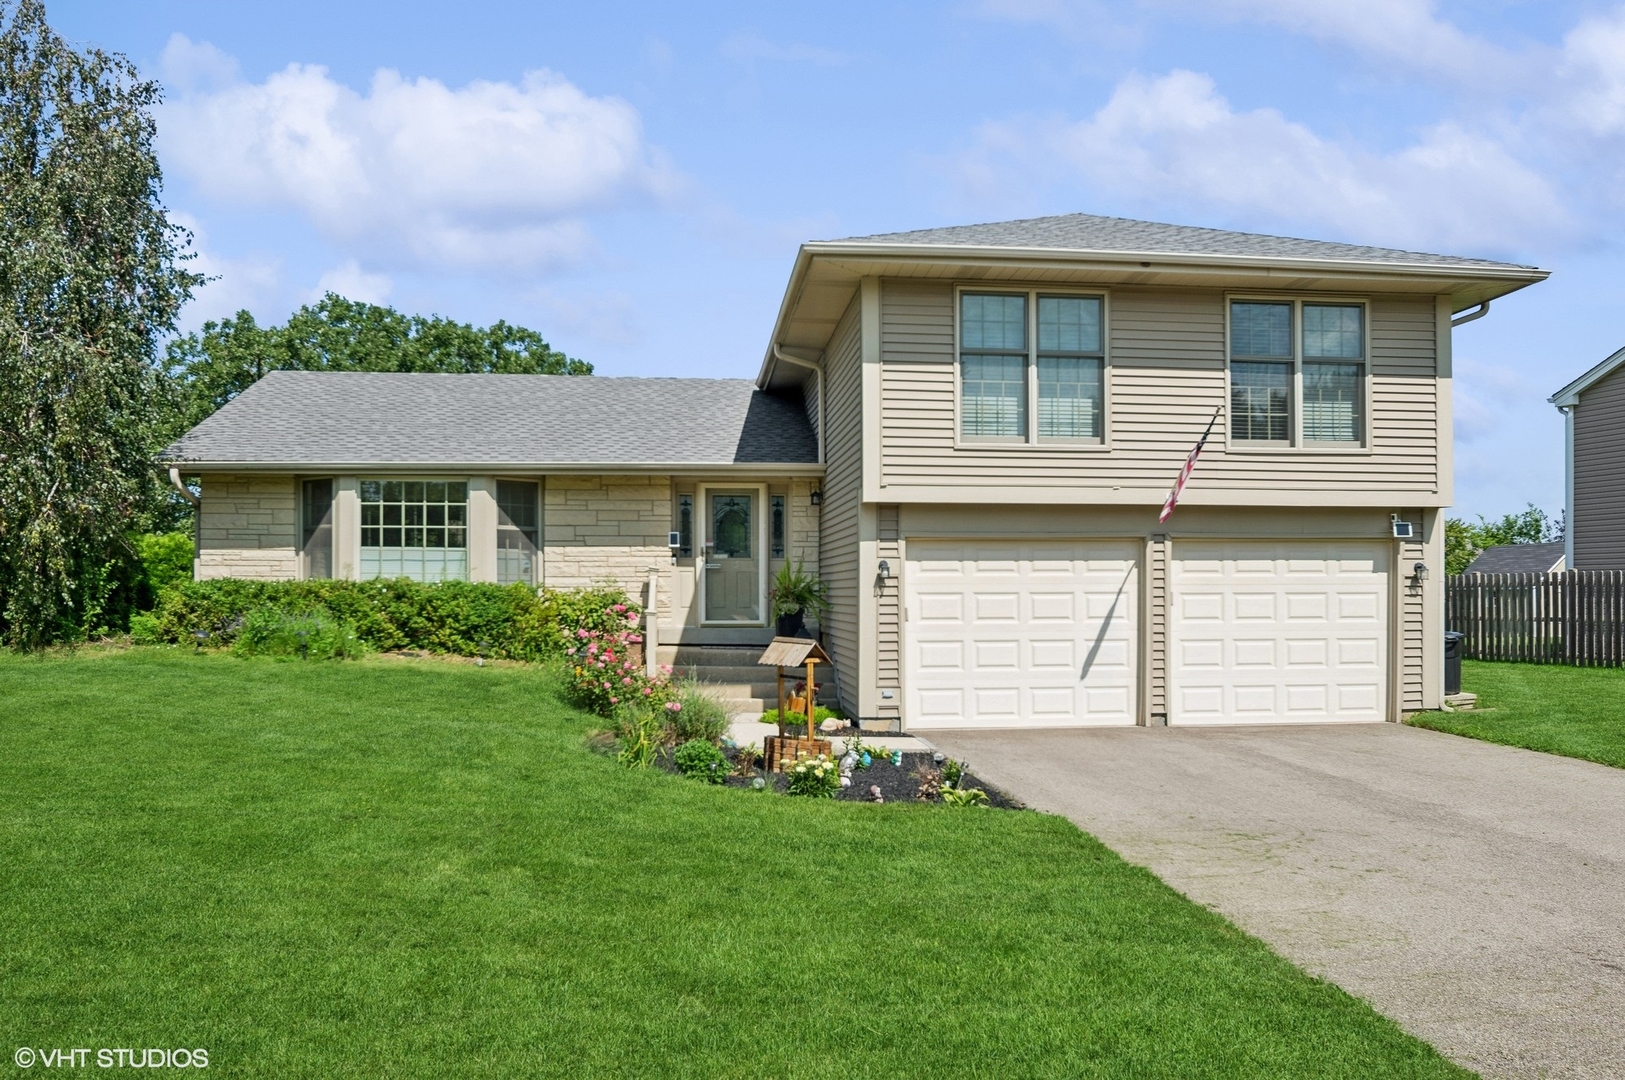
395,868
1577,712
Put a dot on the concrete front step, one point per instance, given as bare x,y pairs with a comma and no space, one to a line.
709,655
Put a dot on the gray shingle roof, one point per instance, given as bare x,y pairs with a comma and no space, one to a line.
1517,559
1087,232
293,417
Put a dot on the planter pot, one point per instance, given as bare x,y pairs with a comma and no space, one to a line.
792,625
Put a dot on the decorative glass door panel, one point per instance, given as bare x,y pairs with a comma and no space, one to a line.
733,567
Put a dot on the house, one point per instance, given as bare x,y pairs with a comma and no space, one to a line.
969,433
1593,408
1519,559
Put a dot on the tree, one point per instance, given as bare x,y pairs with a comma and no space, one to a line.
217,363
92,275
1463,540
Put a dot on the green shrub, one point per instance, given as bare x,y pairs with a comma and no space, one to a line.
703,759
268,631
701,716
144,629
458,617
820,714
165,558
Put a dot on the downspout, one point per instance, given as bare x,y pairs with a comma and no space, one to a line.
1568,484
818,373
1478,313
197,517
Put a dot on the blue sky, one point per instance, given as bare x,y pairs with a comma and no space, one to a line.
632,180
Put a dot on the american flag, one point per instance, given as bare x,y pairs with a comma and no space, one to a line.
1185,473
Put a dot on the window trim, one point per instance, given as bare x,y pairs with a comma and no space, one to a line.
1296,443
1031,440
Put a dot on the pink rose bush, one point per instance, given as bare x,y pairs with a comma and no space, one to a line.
606,677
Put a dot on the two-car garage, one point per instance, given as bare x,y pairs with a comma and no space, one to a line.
1033,633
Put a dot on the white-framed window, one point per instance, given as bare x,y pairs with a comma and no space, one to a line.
414,529
1297,372
1032,367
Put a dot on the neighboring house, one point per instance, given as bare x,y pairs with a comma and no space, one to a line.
1519,559
968,432
1593,408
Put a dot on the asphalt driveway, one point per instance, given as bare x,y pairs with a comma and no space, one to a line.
1474,893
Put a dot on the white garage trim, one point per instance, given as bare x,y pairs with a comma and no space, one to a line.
1271,632
1021,633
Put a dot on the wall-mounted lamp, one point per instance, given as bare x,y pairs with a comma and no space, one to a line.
1420,572
885,568
816,498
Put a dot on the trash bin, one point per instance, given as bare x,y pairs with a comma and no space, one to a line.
1452,661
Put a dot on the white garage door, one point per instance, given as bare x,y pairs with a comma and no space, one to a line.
1020,634
1278,632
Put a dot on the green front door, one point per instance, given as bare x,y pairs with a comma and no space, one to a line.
733,568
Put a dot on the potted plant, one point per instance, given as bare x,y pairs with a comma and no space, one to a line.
797,594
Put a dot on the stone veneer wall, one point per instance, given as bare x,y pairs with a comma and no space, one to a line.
249,528
601,528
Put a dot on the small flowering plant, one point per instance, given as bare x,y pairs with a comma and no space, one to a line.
817,777
606,677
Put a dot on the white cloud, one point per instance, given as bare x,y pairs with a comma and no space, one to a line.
350,281
492,175
235,284
747,46
1174,139
189,65
1407,32
1592,74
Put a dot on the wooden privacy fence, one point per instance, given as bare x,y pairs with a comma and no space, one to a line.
1577,617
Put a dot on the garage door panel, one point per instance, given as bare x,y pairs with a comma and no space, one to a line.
1049,638
941,607
1052,655
942,656
1052,607
997,655
1298,636
1306,652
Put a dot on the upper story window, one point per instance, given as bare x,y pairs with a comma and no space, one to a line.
1297,373
1027,355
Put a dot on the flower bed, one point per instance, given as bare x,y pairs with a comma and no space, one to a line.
897,783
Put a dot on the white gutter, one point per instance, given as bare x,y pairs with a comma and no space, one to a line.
511,468
1482,310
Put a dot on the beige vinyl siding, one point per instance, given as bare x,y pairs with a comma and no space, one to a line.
888,653
1156,617
1599,476
1410,618
1167,356
843,499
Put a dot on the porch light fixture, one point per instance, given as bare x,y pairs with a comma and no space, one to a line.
1420,571
816,498
885,568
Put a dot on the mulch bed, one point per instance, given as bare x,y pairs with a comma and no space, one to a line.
897,783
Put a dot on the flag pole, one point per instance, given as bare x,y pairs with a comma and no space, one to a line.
1185,473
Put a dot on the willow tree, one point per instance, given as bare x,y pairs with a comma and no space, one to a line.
92,275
